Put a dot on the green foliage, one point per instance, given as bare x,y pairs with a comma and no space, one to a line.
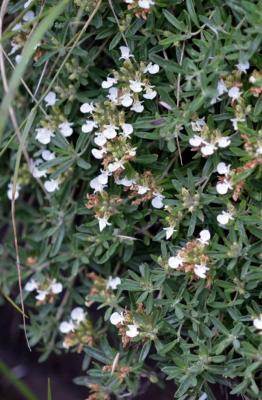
189,309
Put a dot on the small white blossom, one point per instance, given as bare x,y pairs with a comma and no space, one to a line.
175,262
87,108
223,169
136,86
113,94
103,177
224,218
27,3
31,285
125,182
47,155
41,295
223,187
132,331
56,287
50,99
44,135
117,318
10,191
223,142
150,94
66,327
198,125
113,283
65,128
235,121
114,166
96,185
18,58
98,154
137,107
78,315
126,100
109,82
151,68
29,16
127,129
157,202
142,189
52,185
103,222
169,231
234,93
258,322
195,141
14,48
204,236
259,151
146,4
243,66
17,27
208,149
89,126
110,131
125,53
221,87
201,270
37,173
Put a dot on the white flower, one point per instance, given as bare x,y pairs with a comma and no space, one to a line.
224,218
18,58
157,202
27,3
204,236
37,173
252,79
208,149
10,191
223,187
114,166
126,100
100,139
234,93
125,53
132,330
96,185
112,283
109,82
201,270
52,185
175,262
29,16
259,151
203,397
110,131
169,231
113,94
31,285
151,68
65,128
145,3
103,222
235,121
150,94
136,86
89,126
66,327
78,314
117,318
17,27
221,87
50,99
243,66
137,107
125,182
223,142
41,295
198,125
103,177
87,108
223,169
127,129
44,135
98,154
56,287
14,48
258,322
195,141
47,155
142,189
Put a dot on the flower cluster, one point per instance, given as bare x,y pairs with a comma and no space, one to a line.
112,133
126,324
46,290
141,8
78,330
206,139
192,257
102,289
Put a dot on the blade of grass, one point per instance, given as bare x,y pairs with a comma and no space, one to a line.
27,53
8,298
20,386
49,390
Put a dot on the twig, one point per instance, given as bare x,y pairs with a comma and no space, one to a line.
117,21
178,97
